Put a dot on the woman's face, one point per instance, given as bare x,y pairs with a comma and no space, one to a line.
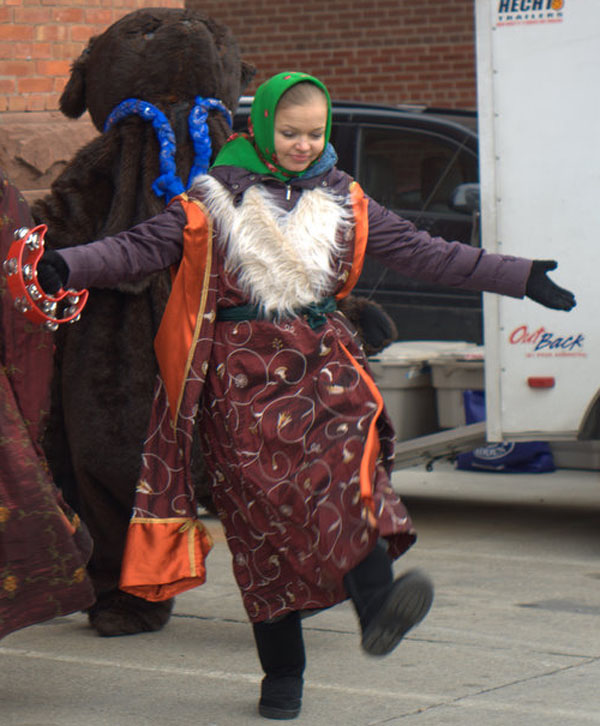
299,134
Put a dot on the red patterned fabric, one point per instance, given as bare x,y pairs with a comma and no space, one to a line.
285,432
288,416
43,547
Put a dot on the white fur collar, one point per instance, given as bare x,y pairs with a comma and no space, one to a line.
283,260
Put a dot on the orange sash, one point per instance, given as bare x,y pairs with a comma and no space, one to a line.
361,234
167,544
372,445
177,334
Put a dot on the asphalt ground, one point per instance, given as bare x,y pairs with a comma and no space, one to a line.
512,637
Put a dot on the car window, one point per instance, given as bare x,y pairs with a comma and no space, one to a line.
414,173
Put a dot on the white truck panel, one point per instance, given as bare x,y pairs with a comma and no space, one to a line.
539,111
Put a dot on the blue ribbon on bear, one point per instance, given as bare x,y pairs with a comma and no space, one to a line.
168,184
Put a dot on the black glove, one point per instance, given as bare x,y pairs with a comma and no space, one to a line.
377,329
541,289
52,272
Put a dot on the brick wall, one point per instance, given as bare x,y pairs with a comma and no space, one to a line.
390,51
39,40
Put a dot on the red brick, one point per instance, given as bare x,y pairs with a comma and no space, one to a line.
51,33
34,85
52,68
31,15
152,3
59,85
52,101
98,16
36,102
68,51
16,103
41,50
16,68
82,33
21,51
68,15
7,86
16,32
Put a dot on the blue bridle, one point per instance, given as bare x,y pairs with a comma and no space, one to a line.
168,184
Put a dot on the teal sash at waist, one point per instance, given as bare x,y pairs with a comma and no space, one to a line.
315,313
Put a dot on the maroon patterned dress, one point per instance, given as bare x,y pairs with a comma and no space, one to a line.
43,545
285,418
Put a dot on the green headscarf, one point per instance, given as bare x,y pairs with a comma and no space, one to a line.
257,152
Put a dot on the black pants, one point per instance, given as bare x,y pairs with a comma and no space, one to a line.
280,644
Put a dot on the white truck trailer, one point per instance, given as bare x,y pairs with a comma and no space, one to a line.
539,147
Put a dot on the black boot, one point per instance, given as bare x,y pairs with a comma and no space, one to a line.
281,653
117,613
387,608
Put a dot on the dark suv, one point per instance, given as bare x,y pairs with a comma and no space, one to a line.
412,160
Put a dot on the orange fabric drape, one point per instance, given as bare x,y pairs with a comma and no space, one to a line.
175,340
164,554
175,547
361,220
372,444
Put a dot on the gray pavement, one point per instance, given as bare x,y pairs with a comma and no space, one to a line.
512,637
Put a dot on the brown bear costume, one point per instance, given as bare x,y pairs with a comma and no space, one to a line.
104,366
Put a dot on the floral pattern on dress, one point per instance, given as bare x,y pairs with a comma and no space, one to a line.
43,545
285,418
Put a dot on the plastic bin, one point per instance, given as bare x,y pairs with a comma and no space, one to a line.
450,377
403,374
408,395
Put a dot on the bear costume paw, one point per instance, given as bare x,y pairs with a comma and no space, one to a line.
118,613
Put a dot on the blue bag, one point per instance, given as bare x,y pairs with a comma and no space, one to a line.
533,457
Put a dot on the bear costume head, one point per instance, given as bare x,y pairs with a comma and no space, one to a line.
160,55
166,58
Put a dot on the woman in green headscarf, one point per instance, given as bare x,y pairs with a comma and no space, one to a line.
259,153
295,435
294,432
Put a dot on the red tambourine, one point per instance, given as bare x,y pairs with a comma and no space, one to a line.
20,268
